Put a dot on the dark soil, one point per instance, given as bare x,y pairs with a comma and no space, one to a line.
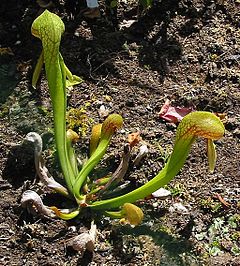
185,51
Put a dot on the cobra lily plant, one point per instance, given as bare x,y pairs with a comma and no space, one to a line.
79,187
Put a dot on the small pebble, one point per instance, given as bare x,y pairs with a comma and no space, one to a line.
72,228
179,208
161,193
103,112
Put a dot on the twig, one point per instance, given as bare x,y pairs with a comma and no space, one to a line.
219,197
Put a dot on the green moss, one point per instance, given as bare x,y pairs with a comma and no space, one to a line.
234,221
43,110
235,236
166,229
177,190
4,111
78,119
210,204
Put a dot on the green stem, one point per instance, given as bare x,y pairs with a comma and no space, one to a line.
114,215
109,127
58,97
177,159
37,70
72,157
89,165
